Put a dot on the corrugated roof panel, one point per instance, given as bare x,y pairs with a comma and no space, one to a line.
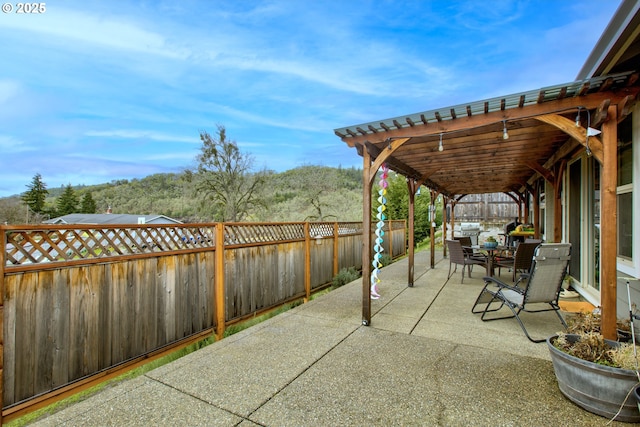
494,104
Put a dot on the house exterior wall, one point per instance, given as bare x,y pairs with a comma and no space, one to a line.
628,270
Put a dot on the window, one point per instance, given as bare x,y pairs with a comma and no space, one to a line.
625,190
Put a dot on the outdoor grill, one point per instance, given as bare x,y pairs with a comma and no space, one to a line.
471,229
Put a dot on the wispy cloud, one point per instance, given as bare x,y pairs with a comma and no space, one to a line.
84,28
114,90
141,134
10,144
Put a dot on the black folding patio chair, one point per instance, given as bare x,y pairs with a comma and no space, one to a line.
542,285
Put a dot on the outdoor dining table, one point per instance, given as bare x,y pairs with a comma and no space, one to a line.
520,236
491,252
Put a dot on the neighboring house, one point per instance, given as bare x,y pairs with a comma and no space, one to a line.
111,219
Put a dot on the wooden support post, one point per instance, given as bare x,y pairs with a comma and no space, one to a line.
452,220
366,237
609,226
411,187
444,225
219,294
432,211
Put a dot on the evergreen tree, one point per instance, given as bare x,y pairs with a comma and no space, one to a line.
398,205
88,205
35,196
68,202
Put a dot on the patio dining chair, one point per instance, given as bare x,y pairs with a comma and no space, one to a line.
521,260
541,286
466,243
458,256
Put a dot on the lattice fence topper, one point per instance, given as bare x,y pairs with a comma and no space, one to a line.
378,248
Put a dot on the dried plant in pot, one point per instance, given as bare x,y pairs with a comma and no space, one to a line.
585,322
597,374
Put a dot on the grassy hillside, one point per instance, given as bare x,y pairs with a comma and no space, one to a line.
307,193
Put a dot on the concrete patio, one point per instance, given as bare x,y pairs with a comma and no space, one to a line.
425,360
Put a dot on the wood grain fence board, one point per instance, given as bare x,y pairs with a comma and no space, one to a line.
26,318
321,263
350,252
186,276
206,263
236,290
182,310
60,320
204,302
126,294
167,276
105,316
140,326
44,333
265,285
194,295
83,328
9,332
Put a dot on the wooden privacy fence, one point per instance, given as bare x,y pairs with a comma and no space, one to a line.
80,304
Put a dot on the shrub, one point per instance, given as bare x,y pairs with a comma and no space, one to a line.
385,260
344,276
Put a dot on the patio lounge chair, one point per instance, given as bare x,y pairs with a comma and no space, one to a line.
458,256
541,285
521,261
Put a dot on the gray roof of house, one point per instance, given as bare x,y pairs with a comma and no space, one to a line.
112,219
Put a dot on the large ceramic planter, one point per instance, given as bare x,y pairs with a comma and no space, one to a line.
597,388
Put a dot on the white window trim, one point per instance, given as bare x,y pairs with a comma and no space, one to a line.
632,267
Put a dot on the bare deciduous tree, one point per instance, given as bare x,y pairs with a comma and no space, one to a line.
225,177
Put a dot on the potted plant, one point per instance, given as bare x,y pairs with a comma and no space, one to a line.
491,242
597,374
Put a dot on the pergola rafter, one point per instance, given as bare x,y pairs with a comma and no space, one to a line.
500,145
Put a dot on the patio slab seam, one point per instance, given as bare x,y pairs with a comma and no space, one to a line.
302,372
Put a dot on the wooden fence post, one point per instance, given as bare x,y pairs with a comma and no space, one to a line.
336,248
390,224
307,262
218,293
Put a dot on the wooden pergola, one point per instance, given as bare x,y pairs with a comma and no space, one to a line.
503,144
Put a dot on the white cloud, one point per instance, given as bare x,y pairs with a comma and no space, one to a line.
114,32
9,90
10,144
141,134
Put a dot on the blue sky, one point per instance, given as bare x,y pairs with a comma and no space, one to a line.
94,91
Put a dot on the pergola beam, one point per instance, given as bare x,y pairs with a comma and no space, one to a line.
590,101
